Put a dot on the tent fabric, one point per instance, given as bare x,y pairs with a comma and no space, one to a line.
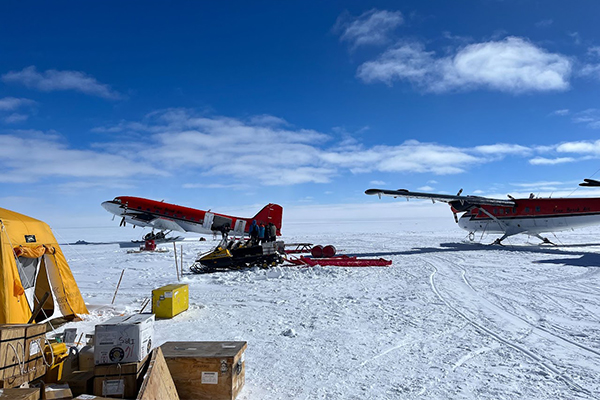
23,236
33,252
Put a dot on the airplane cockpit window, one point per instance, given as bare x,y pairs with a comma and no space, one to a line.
117,200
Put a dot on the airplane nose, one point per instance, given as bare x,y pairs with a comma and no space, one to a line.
112,207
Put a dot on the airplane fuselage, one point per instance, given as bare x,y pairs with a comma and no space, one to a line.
534,216
143,212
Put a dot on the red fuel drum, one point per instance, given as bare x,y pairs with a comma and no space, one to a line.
328,251
316,251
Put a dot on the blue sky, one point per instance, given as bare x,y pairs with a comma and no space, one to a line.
230,105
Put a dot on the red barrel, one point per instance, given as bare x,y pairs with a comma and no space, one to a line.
328,251
150,245
317,251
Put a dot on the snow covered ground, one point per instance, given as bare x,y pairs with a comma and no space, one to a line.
448,320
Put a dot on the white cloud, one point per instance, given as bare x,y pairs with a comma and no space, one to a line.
268,120
581,147
590,70
503,149
223,152
27,157
511,65
542,185
13,103
589,117
377,183
561,112
52,80
215,186
594,51
370,28
575,36
544,23
550,161
16,118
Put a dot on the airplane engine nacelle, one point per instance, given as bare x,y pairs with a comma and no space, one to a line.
460,206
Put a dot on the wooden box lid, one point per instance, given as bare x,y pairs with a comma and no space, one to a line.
202,349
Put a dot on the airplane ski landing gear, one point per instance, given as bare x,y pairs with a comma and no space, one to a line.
499,240
471,236
544,240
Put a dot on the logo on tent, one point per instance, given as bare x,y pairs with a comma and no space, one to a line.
30,239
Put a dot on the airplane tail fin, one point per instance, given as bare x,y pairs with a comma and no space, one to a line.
270,213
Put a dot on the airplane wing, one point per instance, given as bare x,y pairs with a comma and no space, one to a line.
147,219
590,182
166,224
456,201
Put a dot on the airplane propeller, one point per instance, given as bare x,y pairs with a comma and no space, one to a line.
454,213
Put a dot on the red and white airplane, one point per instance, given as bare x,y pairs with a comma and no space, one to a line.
164,216
531,216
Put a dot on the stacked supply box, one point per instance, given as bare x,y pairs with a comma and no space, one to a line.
121,348
21,358
206,370
119,380
170,300
124,339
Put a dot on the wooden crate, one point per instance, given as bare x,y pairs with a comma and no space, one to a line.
206,370
20,394
158,383
35,336
119,380
21,357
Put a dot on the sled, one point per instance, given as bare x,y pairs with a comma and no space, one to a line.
341,261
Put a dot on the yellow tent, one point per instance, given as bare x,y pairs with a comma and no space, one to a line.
31,265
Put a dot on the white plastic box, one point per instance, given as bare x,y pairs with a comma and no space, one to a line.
124,339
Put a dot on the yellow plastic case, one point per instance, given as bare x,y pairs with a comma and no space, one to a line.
170,300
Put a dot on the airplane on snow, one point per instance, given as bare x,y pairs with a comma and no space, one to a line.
531,216
170,217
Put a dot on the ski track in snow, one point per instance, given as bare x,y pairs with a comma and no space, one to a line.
448,320
509,318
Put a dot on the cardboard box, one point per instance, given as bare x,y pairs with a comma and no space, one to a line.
81,382
90,397
206,370
124,339
20,394
119,380
21,357
58,392
170,300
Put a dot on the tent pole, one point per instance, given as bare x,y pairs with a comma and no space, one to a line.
38,308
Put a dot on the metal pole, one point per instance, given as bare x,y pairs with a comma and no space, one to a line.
176,263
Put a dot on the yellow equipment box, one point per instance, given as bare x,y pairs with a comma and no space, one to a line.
170,300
